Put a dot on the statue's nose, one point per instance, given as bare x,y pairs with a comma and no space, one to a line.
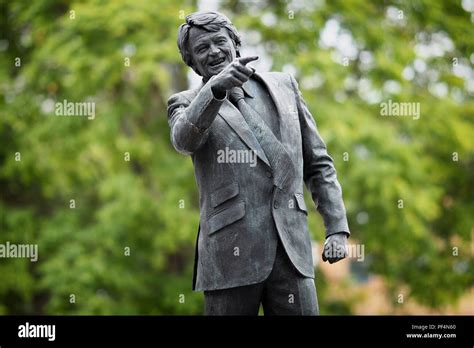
214,50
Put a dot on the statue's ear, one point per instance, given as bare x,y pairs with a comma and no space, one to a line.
237,48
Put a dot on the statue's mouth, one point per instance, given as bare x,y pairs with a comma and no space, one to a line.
217,62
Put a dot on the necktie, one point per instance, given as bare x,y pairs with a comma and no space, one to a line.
280,161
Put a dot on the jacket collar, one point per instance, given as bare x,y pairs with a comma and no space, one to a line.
246,87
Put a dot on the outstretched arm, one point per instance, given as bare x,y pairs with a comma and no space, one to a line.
189,121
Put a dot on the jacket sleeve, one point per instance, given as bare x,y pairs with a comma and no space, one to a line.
189,121
319,172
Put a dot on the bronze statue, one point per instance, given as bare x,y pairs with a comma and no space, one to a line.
253,244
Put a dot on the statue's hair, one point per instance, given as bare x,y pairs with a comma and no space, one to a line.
209,21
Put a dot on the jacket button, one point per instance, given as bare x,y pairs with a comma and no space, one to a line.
269,174
275,205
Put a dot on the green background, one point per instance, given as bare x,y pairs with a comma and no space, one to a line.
78,50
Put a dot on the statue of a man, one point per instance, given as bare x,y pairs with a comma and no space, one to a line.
253,245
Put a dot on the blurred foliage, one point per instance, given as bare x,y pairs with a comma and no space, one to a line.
119,204
80,50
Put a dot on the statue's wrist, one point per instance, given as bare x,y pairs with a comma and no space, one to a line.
342,233
219,93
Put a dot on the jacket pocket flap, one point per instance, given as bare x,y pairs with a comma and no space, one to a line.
300,200
223,194
226,217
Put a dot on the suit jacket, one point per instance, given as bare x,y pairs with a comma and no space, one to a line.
242,212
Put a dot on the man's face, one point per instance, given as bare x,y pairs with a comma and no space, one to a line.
211,51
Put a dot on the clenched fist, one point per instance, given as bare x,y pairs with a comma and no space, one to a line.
335,247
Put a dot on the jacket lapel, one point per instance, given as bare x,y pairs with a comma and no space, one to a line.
235,120
280,101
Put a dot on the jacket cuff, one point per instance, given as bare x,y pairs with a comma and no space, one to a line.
338,227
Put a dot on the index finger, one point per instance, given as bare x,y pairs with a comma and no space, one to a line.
246,60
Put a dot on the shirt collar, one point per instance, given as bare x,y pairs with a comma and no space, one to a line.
246,87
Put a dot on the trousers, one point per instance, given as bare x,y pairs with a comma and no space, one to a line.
284,292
